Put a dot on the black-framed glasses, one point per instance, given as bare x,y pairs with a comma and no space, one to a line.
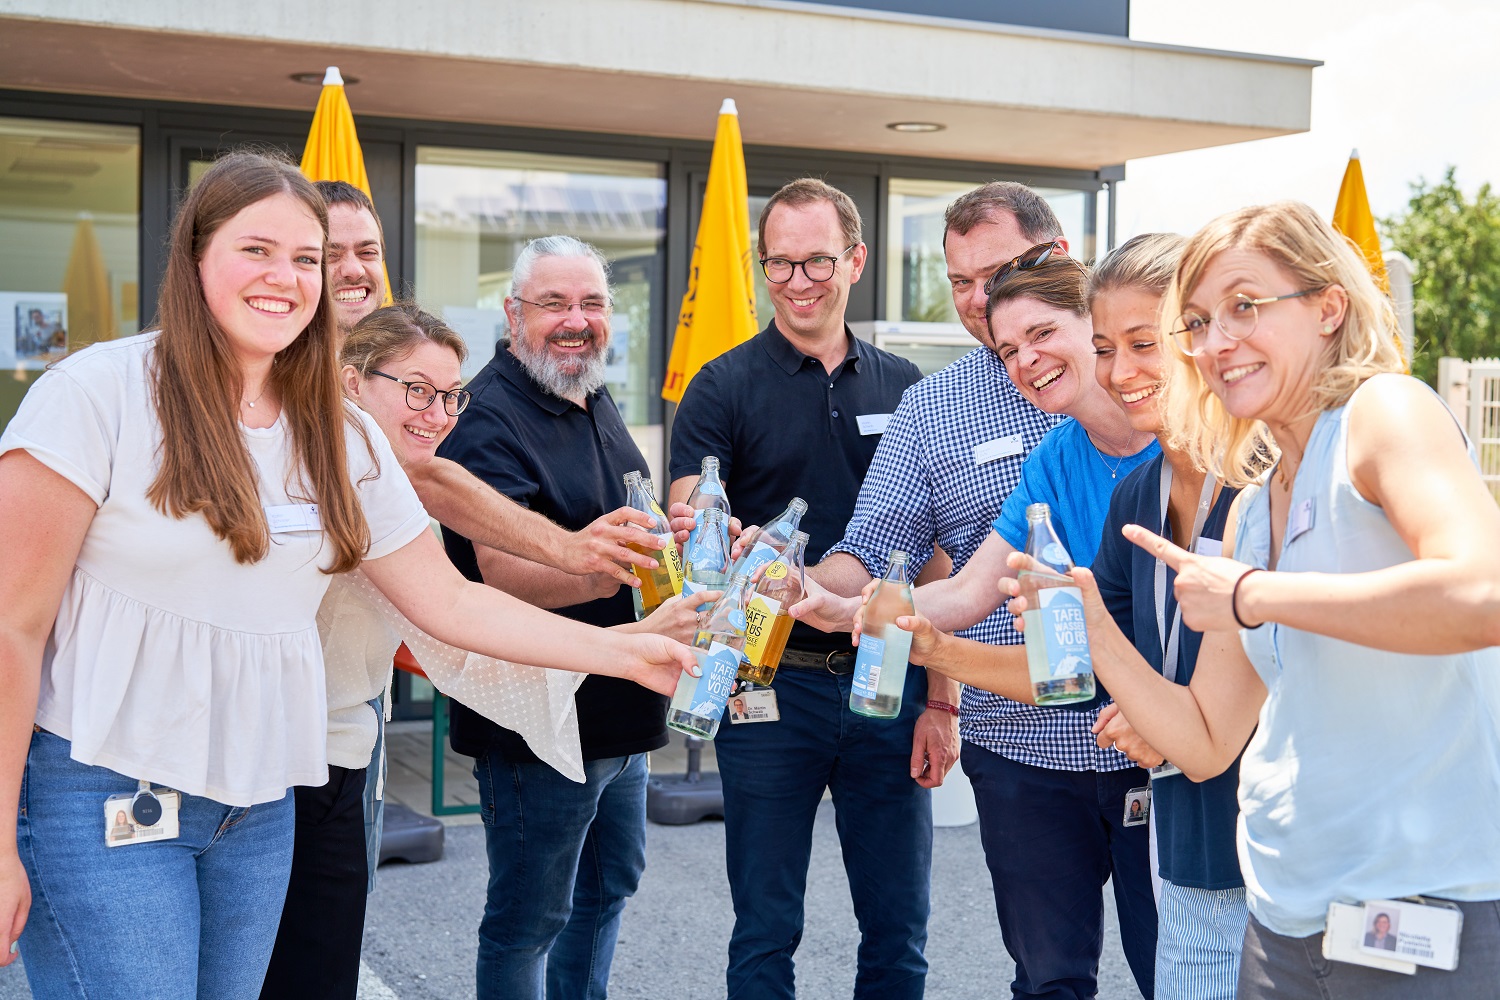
1235,315
779,270
591,308
419,395
1034,257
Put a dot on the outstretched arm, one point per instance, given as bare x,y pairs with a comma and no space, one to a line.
468,505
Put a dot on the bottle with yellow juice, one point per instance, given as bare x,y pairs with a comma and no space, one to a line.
767,623
665,581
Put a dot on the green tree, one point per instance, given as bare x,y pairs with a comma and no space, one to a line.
1454,244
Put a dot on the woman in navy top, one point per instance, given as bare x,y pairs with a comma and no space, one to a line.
1201,911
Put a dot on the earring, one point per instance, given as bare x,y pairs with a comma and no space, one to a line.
1327,329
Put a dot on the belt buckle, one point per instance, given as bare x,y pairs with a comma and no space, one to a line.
828,662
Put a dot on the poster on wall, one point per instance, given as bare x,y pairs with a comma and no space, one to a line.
33,329
481,330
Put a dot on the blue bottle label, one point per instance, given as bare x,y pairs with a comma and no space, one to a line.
1067,637
867,666
711,489
706,699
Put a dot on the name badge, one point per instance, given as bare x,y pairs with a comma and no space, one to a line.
997,448
293,517
1166,769
753,706
1413,932
125,822
1212,547
1301,520
872,423
1137,807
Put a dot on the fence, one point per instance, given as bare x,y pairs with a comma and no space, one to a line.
1472,390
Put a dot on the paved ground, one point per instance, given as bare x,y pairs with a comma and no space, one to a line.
419,939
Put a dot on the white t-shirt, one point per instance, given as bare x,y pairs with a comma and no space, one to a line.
169,661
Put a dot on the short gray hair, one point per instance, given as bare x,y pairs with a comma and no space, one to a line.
554,246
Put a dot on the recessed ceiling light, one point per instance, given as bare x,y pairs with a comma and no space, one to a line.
916,127
316,79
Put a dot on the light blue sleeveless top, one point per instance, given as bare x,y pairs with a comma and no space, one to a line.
1373,775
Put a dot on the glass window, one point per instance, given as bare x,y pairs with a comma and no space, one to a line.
69,239
477,208
917,277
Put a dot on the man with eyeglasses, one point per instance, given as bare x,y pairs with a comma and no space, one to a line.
950,457
542,428
798,411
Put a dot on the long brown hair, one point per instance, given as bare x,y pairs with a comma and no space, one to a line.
197,384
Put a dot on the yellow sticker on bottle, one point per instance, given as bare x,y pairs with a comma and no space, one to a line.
776,571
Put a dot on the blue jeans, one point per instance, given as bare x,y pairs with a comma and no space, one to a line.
774,774
1051,840
169,920
564,858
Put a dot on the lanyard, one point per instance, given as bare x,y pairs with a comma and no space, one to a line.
1169,638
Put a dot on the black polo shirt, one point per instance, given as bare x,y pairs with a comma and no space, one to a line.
567,463
781,427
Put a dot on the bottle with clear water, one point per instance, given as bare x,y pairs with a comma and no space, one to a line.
705,563
1057,642
698,703
768,624
757,551
880,666
665,581
708,494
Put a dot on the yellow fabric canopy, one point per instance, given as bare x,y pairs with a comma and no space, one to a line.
718,310
1353,218
332,152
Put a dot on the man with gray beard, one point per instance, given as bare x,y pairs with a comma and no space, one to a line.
542,429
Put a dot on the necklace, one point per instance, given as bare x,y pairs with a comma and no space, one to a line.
1114,472
251,402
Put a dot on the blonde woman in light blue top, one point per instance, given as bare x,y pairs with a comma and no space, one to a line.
1353,627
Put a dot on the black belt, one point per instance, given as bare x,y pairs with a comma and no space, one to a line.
840,661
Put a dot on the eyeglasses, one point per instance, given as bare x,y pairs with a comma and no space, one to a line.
591,308
779,270
419,395
1236,316
1034,257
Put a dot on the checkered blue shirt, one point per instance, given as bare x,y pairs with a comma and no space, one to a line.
924,485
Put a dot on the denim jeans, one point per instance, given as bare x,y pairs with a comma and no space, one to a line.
169,920
774,774
1051,840
564,857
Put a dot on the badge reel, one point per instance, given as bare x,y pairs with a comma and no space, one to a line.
141,817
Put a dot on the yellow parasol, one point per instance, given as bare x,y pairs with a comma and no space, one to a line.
718,311
91,314
332,152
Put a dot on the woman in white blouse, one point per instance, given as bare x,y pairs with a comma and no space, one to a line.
176,502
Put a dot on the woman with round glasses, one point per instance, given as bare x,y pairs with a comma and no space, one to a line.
1351,631
178,503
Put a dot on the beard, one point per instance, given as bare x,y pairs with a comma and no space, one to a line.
569,377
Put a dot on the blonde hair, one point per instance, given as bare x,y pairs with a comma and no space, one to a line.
395,331
1301,243
1146,263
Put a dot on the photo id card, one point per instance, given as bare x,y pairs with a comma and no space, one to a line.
1420,933
121,828
1166,769
1137,807
757,705
1343,938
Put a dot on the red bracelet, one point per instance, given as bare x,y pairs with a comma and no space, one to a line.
944,707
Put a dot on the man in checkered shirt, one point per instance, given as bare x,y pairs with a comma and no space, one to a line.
951,454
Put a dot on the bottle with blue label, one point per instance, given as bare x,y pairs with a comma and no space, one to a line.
706,559
665,581
708,494
884,648
698,703
757,551
1057,643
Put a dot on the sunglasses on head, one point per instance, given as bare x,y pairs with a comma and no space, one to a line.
1034,257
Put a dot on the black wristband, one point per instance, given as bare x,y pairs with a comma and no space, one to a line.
1234,600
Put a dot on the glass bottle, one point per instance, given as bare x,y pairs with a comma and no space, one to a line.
880,666
708,494
706,559
698,703
767,543
1057,643
767,623
659,584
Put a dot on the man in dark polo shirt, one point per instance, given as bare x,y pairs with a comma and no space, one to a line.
542,429
798,411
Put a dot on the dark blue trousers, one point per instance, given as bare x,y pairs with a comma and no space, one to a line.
1051,840
774,775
